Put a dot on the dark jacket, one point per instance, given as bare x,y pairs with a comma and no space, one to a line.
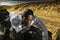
33,34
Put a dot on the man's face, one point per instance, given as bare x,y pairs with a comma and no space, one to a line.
30,18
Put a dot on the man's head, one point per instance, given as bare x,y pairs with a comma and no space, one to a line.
28,14
15,19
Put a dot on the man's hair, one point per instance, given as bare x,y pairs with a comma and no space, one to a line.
3,14
28,12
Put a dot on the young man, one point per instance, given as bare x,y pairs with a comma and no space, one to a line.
31,19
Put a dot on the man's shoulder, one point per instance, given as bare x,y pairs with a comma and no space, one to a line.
34,28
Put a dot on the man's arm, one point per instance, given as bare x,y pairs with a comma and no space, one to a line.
40,25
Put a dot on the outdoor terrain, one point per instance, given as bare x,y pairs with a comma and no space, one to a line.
49,13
